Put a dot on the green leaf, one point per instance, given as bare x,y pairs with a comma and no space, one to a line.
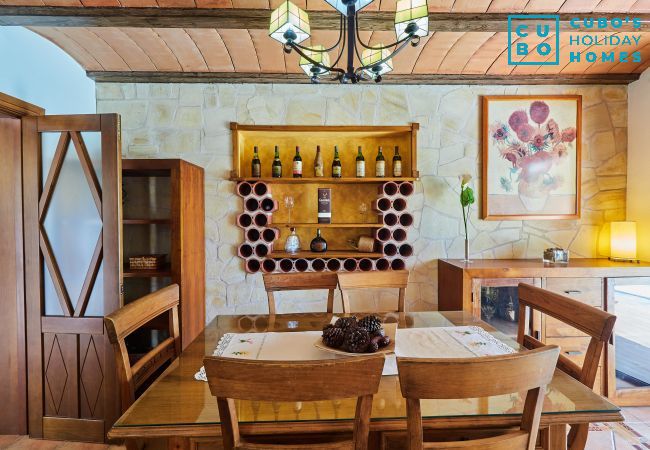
467,196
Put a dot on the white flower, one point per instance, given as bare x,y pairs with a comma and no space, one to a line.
465,179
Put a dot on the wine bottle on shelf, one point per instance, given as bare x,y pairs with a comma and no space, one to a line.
318,244
256,165
292,244
276,169
336,164
318,163
297,164
380,165
361,164
397,163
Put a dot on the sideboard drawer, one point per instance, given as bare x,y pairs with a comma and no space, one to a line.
585,290
573,348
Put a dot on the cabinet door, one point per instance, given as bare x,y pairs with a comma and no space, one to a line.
72,179
496,301
628,378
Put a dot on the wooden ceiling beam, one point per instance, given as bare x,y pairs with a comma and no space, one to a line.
286,78
234,18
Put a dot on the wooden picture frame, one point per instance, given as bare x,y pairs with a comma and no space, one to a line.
531,157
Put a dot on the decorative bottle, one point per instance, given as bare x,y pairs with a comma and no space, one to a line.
336,164
361,164
397,163
318,244
297,164
292,244
318,163
276,169
380,165
256,166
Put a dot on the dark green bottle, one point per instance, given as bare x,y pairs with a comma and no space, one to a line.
361,164
297,164
397,163
318,244
276,169
256,165
336,164
380,165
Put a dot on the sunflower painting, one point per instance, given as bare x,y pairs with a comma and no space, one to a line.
531,157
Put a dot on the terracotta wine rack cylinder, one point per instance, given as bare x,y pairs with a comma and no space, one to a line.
244,220
268,205
406,188
399,204
389,189
261,219
382,264
399,234
350,264
269,265
365,265
406,250
406,220
318,265
301,265
390,219
245,251
253,265
398,264
382,204
270,235
260,188
244,189
390,249
261,250
333,265
286,265
253,235
382,234
251,204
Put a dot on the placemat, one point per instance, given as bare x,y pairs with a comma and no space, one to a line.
443,342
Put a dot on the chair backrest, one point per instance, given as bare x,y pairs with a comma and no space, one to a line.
287,381
594,322
479,377
128,319
397,279
275,282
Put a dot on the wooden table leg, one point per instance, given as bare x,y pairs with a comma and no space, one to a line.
555,438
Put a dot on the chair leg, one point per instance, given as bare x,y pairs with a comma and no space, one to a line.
554,437
578,436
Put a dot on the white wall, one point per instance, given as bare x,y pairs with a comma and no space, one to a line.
638,181
37,71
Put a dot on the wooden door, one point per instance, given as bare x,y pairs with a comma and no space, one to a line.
72,198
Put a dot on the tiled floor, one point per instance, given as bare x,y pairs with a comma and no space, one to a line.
634,434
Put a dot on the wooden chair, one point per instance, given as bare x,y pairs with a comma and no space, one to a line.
397,279
128,319
598,324
285,381
276,282
478,377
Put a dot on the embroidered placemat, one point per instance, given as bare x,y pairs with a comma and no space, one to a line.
444,342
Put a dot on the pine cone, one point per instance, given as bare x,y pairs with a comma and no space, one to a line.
384,341
372,347
356,340
346,322
333,337
370,323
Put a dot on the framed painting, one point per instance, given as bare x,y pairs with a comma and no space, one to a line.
531,157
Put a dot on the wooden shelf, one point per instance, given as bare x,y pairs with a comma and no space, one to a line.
327,225
146,221
324,180
327,254
164,271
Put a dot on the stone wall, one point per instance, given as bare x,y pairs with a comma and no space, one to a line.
191,121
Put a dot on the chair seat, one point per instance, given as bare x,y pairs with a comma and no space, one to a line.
332,444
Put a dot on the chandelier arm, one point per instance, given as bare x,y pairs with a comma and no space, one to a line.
344,28
383,47
341,36
298,50
404,42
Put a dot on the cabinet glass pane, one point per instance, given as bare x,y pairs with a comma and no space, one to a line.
500,308
632,336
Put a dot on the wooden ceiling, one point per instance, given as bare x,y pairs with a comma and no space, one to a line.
226,40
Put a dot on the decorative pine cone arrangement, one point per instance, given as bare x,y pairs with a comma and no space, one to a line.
356,336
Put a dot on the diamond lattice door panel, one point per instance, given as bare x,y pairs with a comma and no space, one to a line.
72,198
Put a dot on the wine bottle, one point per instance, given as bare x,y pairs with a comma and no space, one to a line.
336,164
361,164
256,165
318,244
397,163
276,169
318,163
297,164
380,165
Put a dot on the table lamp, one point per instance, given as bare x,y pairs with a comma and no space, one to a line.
622,241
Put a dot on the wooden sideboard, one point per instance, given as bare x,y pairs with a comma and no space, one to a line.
488,288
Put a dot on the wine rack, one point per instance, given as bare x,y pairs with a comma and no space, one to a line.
265,221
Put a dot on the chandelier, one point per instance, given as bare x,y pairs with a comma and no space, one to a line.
290,26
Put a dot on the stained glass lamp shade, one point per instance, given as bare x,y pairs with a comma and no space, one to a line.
342,5
318,56
411,16
288,22
370,57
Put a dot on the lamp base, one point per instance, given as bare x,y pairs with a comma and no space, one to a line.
630,260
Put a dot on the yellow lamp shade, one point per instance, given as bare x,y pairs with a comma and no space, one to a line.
342,5
411,17
622,240
370,58
317,54
289,23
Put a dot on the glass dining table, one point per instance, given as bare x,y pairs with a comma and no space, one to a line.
179,407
